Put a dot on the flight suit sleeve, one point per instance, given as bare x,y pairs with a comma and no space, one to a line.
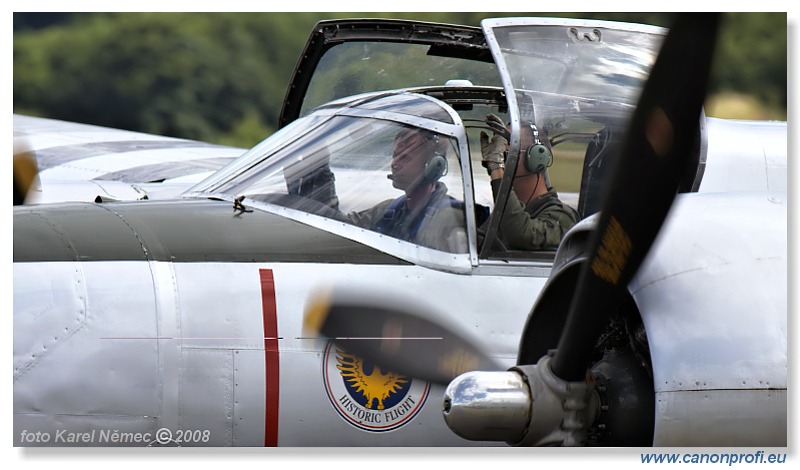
520,231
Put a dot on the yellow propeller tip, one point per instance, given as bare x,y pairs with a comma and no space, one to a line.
317,310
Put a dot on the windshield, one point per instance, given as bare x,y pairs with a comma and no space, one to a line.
353,68
391,178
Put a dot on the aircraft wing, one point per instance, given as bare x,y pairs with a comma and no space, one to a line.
80,162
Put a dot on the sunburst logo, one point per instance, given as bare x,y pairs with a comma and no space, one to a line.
367,396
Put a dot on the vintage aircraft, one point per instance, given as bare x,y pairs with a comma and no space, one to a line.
181,321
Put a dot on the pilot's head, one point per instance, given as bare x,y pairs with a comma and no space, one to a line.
535,152
413,159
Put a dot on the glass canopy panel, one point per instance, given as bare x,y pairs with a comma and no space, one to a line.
412,105
357,67
578,82
589,60
365,172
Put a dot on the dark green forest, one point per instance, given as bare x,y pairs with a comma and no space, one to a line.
221,77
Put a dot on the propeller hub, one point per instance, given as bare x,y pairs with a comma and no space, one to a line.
488,406
526,405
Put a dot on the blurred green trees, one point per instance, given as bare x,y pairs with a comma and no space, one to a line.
221,77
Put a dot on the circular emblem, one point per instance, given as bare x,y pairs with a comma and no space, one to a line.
367,396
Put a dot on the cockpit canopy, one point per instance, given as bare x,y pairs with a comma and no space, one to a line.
360,165
363,85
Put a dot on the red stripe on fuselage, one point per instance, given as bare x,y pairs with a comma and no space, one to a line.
271,357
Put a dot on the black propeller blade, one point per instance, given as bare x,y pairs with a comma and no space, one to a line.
660,138
385,330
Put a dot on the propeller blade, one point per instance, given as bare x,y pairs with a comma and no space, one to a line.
384,330
26,172
663,130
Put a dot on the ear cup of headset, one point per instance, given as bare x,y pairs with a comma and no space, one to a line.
435,168
538,158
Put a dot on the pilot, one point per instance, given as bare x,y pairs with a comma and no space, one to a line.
425,214
535,218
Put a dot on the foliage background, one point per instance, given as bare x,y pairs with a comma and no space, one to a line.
221,77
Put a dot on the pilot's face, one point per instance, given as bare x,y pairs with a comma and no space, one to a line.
408,158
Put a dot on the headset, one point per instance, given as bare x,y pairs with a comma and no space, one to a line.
435,168
538,157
